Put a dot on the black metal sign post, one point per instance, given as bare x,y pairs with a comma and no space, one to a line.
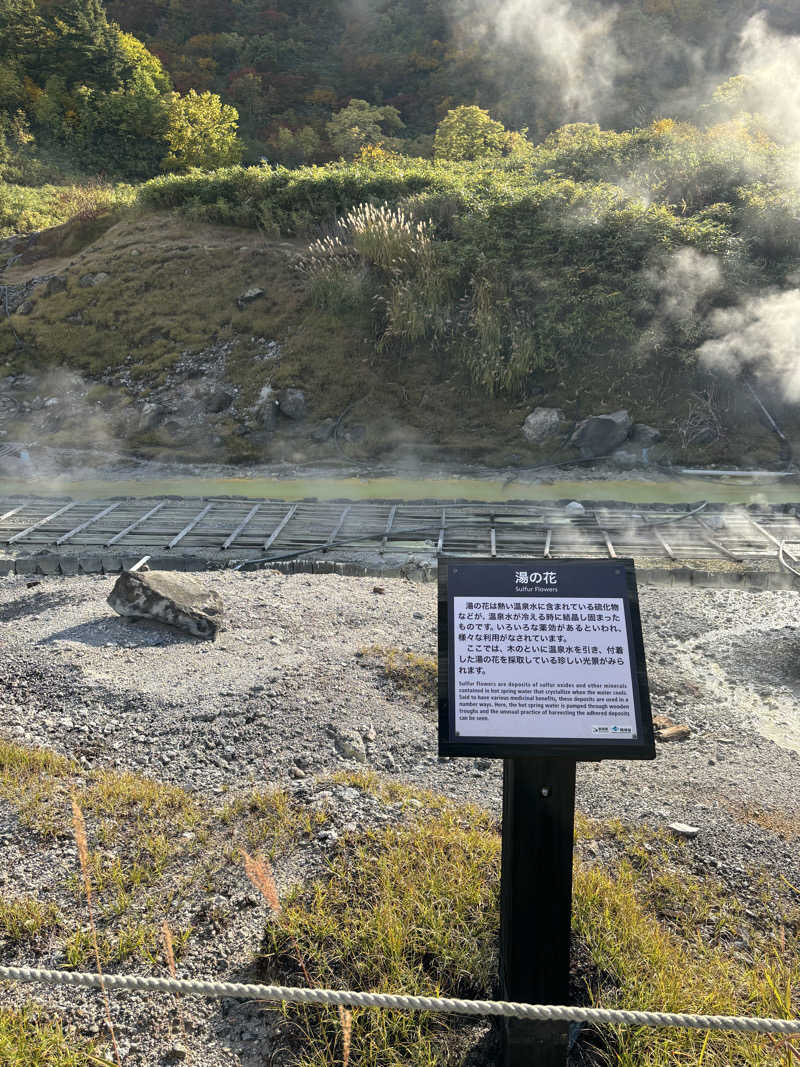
536,902
541,663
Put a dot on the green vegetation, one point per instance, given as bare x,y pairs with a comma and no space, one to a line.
29,1039
414,909
290,67
410,907
409,671
78,96
585,272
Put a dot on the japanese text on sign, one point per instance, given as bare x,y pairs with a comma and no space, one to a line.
544,667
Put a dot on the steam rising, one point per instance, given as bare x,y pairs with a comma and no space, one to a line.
576,45
763,335
771,64
687,277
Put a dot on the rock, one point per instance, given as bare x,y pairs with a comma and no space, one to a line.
323,431
249,296
575,507
349,744
55,285
292,403
89,281
600,434
217,400
25,308
682,829
673,733
643,435
541,424
176,599
151,416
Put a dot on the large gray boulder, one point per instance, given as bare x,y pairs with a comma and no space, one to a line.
292,403
600,434
176,599
541,424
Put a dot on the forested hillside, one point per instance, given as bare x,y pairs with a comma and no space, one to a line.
140,86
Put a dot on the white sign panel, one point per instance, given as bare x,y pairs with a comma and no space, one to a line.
544,667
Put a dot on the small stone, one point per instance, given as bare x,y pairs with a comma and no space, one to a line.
378,589
89,281
575,507
176,1053
350,745
541,424
249,296
682,829
674,733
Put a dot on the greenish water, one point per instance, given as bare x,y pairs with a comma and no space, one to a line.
732,491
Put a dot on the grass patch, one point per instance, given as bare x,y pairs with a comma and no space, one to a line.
414,909
151,846
26,921
408,909
410,672
28,1039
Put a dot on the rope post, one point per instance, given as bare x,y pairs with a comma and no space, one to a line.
536,903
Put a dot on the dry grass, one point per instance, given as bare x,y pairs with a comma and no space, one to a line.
410,672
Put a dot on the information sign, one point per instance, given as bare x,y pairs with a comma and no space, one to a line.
542,658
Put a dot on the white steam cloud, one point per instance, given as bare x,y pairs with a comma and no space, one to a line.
683,281
762,335
575,45
771,63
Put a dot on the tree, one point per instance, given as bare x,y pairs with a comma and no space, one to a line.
201,132
293,148
360,124
469,132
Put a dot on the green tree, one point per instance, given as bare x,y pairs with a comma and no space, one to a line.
201,132
360,124
141,68
293,148
469,132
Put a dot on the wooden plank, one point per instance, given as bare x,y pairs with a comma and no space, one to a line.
706,535
388,530
188,529
765,533
89,522
442,529
335,531
251,513
547,542
663,543
133,525
492,538
42,522
276,532
13,511
606,537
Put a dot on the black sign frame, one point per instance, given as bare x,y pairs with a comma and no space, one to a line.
622,574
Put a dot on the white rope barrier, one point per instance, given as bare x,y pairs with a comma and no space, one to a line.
351,999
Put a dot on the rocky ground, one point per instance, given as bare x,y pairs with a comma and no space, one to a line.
293,690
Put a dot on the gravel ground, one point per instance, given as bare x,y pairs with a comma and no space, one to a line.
284,696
